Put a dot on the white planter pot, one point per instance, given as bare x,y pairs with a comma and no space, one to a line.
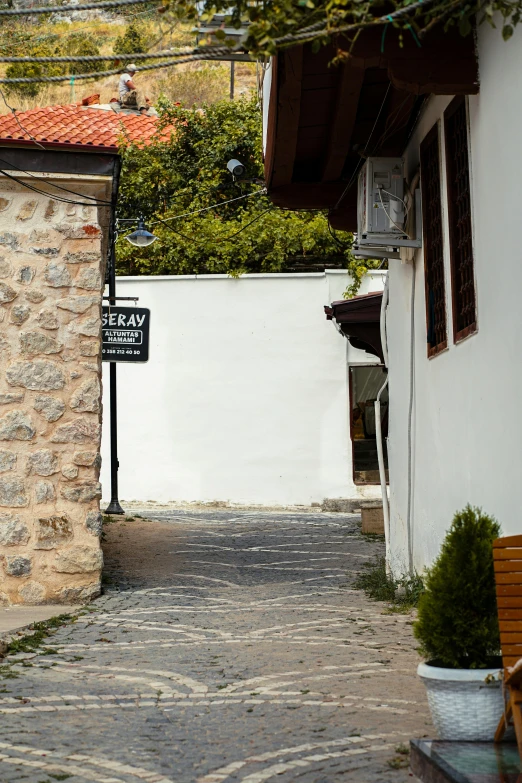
465,704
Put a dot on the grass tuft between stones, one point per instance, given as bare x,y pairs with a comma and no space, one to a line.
402,593
38,633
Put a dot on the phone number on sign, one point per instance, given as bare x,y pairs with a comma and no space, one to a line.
120,351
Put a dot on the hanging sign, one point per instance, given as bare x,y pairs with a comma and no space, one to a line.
125,334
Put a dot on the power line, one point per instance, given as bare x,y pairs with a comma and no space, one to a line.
13,112
49,9
58,187
93,58
50,195
215,55
213,206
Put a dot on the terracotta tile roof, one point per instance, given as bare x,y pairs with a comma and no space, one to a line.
77,126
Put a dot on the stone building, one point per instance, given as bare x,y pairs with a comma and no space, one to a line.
58,178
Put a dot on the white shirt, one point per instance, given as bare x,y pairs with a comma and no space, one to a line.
123,89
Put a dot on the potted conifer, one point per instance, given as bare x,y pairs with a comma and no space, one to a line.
457,627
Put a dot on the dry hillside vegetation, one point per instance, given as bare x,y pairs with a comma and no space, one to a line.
191,84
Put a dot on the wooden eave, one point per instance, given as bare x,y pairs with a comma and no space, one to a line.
324,118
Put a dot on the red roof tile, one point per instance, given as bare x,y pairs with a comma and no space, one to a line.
76,126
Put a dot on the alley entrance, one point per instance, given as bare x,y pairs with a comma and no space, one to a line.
229,646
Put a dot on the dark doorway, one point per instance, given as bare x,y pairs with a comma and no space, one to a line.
365,383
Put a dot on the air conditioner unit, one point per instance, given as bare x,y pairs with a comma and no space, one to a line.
383,208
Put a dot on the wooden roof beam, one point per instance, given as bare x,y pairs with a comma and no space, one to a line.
343,122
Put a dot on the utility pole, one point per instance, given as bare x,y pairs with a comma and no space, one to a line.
232,77
114,506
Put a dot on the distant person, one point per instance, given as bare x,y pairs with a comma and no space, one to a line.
130,96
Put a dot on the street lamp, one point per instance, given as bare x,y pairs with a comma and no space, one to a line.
141,237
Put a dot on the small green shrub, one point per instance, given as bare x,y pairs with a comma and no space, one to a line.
403,592
457,623
131,42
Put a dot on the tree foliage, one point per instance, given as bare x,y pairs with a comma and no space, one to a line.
187,173
276,23
50,45
457,623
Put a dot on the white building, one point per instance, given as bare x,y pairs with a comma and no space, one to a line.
452,110
245,398
464,433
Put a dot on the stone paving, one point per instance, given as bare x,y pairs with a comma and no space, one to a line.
240,654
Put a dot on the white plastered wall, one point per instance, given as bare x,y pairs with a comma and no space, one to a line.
467,422
245,398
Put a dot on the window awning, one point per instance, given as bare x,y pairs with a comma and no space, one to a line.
359,321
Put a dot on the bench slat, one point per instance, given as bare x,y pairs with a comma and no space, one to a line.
509,553
501,543
507,565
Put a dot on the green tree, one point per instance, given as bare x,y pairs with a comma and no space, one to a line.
131,42
457,623
185,171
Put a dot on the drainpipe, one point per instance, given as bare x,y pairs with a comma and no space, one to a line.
378,429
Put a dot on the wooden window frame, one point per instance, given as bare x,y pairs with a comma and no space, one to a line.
433,133
458,335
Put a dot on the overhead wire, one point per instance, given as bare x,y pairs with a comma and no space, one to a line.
212,206
13,112
99,202
49,9
50,195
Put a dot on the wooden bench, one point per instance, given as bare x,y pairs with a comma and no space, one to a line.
507,558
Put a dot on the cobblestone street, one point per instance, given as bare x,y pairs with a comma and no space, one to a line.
227,647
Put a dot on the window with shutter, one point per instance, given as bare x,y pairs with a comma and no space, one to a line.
459,217
433,243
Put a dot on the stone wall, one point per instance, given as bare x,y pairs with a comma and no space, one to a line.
51,273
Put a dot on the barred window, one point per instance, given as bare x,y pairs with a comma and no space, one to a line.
459,216
433,243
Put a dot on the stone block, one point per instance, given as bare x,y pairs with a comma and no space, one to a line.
77,431
7,294
372,519
70,471
34,295
43,462
19,314
7,460
46,319
53,530
16,425
88,327
94,523
10,240
78,560
32,593
81,492
34,343
6,270
16,565
13,492
25,274
10,397
85,458
87,397
90,279
51,408
40,375
77,304
57,275
89,347
4,203
44,492
13,532
27,210
80,594
82,257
